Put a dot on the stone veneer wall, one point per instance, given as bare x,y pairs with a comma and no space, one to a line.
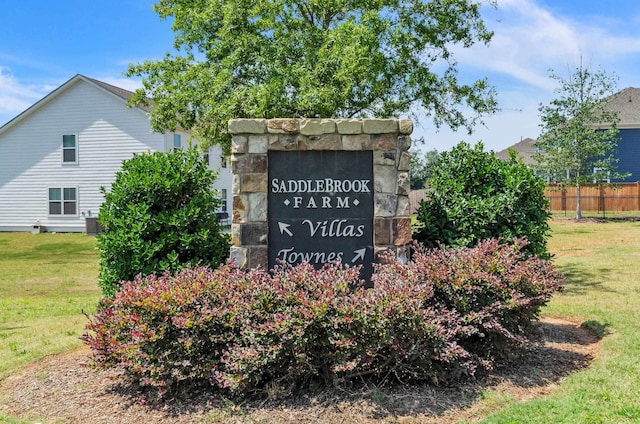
252,139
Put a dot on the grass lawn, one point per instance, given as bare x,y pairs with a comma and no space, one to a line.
47,279
601,262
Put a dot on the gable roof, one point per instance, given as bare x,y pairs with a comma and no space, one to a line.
625,102
120,93
525,149
627,105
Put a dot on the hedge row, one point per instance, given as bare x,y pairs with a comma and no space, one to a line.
443,315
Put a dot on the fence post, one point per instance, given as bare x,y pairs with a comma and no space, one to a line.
603,200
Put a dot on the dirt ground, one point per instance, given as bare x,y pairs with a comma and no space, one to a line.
62,389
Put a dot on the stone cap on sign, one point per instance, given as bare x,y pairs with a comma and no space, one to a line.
320,126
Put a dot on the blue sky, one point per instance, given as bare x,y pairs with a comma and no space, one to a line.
43,43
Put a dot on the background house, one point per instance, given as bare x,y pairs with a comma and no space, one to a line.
55,156
524,148
627,104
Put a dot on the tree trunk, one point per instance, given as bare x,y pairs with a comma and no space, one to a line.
578,206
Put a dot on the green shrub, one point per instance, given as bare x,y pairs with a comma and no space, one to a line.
159,214
473,196
443,315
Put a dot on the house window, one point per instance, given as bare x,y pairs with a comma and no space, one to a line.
223,198
177,142
205,157
603,180
223,162
63,201
69,148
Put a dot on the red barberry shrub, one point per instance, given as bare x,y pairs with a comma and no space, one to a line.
169,329
497,289
442,315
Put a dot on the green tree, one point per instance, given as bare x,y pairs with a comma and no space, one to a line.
159,215
421,167
579,132
473,196
313,58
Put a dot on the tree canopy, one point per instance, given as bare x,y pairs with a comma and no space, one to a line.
313,58
580,134
421,167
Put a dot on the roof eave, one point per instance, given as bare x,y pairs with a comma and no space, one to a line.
55,93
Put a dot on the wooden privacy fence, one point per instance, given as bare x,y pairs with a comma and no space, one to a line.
415,196
618,197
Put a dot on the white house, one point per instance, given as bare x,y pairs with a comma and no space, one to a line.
55,156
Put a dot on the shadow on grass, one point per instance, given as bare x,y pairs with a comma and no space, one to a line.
2,328
579,281
562,348
598,329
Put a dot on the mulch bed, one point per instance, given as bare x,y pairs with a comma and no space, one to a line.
62,388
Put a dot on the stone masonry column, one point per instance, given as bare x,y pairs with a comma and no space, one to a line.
253,143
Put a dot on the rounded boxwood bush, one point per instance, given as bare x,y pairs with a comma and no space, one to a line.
473,196
159,215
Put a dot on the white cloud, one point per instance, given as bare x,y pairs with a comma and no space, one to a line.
531,39
14,96
528,41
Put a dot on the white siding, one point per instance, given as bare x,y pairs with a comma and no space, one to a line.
108,132
225,177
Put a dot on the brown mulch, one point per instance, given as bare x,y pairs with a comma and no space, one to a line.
63,389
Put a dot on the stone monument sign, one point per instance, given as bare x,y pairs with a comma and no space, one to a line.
319,191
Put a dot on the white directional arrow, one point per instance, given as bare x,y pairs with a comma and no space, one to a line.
359,254
284,228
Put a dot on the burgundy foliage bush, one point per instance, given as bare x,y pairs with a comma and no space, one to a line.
443,315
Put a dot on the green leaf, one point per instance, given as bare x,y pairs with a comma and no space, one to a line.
318,58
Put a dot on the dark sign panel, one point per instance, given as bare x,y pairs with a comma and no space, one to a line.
321,208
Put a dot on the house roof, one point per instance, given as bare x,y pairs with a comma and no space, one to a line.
120,93
524,148
627,104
